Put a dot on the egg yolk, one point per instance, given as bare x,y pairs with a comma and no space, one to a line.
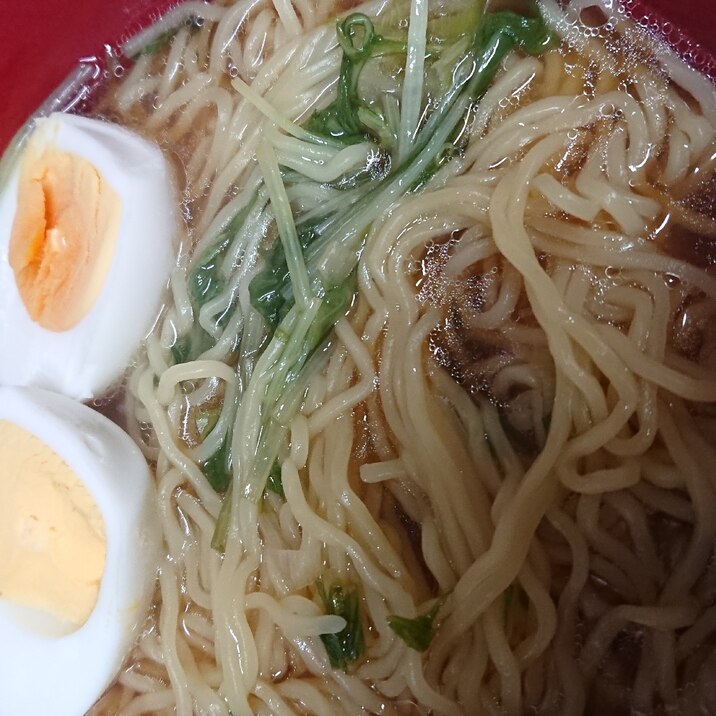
63,236
52,536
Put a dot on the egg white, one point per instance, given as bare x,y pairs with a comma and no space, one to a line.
44,669
84,360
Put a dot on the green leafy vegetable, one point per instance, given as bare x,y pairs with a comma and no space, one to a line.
274,482
217,469
206,280
206,419
270,290
529,33
348,118
347,646
153,47
191,345
417,633
221,529
325,248
157,44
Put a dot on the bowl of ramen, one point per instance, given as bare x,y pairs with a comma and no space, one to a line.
361,359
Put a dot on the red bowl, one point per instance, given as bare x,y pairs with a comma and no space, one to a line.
42,41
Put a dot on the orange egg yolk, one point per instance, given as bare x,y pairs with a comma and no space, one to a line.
63,236
52,534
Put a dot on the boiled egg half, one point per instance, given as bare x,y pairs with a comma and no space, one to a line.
87,242
80,548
